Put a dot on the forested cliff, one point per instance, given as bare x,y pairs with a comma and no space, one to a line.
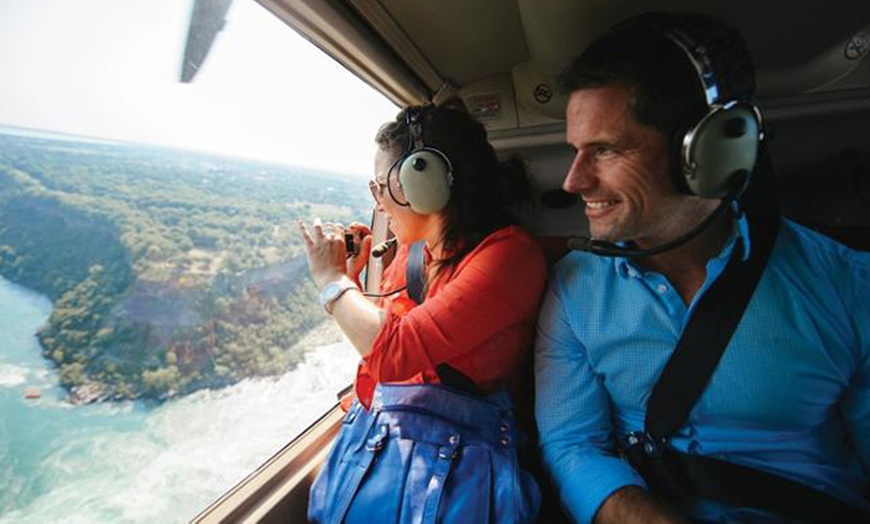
168,271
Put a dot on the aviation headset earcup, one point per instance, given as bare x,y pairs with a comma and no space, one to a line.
717,154
425,176
719,150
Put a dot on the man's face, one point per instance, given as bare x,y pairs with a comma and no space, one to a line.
620,169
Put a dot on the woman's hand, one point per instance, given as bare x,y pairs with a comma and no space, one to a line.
362,237
326,251
325,248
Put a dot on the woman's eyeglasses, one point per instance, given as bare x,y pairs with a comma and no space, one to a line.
377,189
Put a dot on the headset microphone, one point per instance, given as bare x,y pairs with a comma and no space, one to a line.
378,251
381,249
608,249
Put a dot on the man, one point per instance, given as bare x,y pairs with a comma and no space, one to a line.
791,393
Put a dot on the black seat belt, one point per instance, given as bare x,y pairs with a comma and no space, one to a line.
415,278
676,475
690,367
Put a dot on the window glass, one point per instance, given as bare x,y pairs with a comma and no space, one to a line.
159,333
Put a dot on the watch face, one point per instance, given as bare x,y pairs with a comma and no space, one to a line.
333,291
329,292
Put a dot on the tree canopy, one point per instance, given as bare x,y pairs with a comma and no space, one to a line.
169,271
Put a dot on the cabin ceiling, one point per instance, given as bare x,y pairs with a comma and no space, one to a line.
468,40
414,50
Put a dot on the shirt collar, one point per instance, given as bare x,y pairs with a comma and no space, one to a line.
739,231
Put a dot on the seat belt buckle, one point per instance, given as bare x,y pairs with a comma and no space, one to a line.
652,446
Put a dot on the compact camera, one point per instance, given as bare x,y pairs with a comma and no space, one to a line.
350,245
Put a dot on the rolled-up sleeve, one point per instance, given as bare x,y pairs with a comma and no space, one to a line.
573,416
481,321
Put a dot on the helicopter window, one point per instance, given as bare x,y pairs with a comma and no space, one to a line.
159,333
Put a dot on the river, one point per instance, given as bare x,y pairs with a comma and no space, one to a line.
127,462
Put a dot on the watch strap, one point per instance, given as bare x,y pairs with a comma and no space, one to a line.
334,291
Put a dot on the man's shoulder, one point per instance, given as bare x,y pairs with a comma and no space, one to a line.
818,247
820,261
581,265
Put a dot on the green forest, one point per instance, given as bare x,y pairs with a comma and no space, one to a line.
169,271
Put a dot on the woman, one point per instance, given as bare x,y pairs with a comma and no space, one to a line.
431,387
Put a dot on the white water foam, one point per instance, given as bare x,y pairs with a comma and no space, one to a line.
12,375
127,464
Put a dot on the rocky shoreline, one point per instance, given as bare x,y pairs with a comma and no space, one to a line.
90,392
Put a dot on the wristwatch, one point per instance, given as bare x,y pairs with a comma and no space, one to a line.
333,291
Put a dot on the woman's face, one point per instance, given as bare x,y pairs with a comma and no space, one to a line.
407,225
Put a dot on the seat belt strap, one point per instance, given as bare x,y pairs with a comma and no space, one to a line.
719,310
704,339
414,276
686,375
415,279
740,485
675,475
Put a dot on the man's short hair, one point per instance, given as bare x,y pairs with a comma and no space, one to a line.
667,91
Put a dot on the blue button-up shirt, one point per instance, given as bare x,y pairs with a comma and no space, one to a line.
790,396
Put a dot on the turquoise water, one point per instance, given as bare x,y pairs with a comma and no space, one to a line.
126,462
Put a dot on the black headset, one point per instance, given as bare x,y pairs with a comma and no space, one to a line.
425,173
716,155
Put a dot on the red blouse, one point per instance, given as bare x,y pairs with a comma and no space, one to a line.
479,320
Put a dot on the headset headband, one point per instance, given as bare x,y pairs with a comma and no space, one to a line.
425,173
415,127
725,140
697,55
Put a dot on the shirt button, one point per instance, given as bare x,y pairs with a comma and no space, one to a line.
662,289
632,272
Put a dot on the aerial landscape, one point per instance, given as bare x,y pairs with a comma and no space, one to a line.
168,271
